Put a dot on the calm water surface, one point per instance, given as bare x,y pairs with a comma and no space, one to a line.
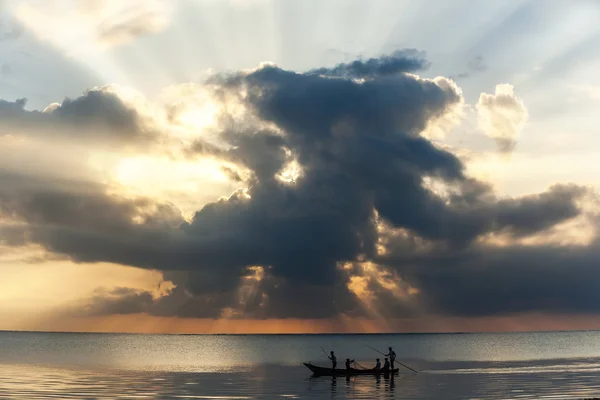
561,365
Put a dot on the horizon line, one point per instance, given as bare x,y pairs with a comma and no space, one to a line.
303,334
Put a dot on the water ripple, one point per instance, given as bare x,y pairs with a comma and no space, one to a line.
277,382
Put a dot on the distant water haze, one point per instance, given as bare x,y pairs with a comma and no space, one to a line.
208,353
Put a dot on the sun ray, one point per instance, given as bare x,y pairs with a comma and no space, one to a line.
74,31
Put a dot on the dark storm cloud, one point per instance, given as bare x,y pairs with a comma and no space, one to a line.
534,213
185,303
459,221
285,299
302,300
360,151
261,151
119,301
409,60
79,206
501,280
98,114
308,107
12,234
82,221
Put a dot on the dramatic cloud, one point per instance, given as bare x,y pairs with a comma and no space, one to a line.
504,280
347,210
76,205
397,62
502,116
119,301
99,114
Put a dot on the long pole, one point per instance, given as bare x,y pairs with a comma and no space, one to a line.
359,365
394,360
324,352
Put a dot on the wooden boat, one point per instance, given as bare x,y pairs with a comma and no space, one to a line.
322,371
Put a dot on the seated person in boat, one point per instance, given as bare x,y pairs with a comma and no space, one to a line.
378,365
386,365
333,360
348,363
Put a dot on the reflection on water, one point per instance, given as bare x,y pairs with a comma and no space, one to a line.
86,366
277,382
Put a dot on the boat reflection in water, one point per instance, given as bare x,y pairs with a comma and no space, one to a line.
359,386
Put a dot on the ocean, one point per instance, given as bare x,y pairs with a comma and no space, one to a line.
553,365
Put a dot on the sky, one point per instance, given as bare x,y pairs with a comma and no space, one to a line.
283,166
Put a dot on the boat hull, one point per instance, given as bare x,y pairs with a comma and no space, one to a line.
322,371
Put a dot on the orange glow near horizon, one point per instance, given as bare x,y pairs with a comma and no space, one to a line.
145,324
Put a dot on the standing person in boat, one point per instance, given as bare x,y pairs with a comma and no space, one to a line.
386,365
333,359
349,363
378,365
392,356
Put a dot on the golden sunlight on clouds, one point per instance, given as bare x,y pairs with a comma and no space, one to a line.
33,282
366,277
389,280
439,127
502,116
193,107
439,187
197,118
290,172
47,158
389,236
579,231
194,111
189,184
146,171
248,290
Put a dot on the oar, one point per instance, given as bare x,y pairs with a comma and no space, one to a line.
394,360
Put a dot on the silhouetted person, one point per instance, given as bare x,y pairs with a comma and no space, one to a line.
378,365
333,360
386,365
392,356
348,363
